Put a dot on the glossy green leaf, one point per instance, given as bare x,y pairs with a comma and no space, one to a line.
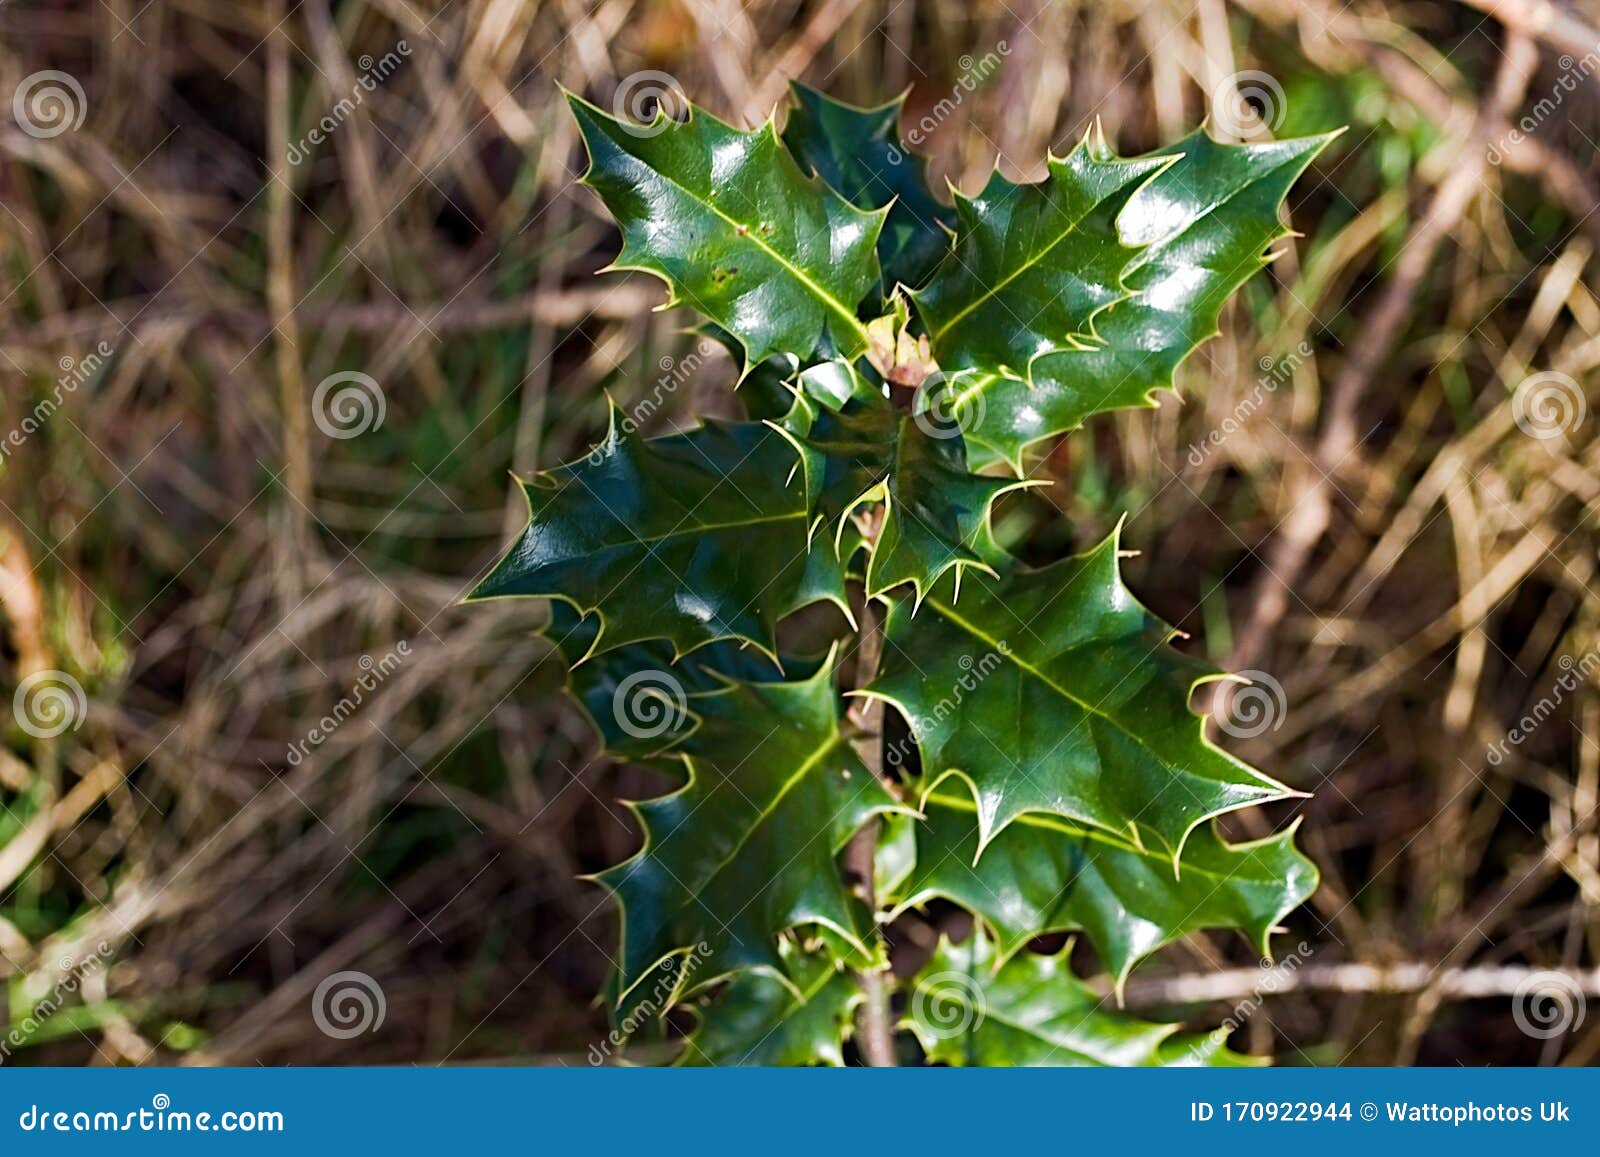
728,220
637,696
1197,231
761,1020
1032,264
690,538
1055,691
1042,874
858,152
967,1008
936,511
747,848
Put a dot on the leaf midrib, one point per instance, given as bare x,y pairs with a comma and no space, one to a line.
1010,655
766,813
994,291
749,236
696,530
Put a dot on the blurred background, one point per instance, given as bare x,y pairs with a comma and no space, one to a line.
286,288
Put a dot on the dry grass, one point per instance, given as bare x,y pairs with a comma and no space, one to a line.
1375,530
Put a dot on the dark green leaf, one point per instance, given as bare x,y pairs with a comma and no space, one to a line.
1201,227
762,1020
730,223
1043,874
690,538
637,695
969,1009
1032,264
858,152
746,849
936,516
1054,691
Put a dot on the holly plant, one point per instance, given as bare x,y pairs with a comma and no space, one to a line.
873,718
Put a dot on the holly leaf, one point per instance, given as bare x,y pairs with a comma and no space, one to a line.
760,1020
690,538
1197,230
728,220
967,1008
858,152
1042,874
1032,264
936,511
746,849
637,696
1054,691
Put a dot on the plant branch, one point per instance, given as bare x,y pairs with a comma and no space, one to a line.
876,1029
1459,983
